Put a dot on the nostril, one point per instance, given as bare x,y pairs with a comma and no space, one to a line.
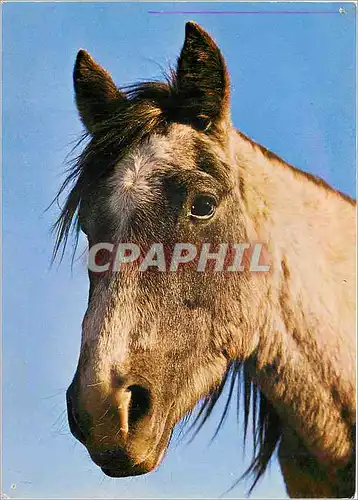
139,404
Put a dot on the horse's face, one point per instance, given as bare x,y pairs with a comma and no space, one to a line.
155,340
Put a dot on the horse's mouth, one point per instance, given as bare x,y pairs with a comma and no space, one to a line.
144,467
118,464
135,471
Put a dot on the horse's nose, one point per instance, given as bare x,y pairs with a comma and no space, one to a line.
127,403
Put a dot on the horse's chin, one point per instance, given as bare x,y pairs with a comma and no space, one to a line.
123,473
120,464
149,465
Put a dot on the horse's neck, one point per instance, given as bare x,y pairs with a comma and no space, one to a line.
305,360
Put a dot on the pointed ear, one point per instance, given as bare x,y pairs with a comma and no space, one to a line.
202,78
95,91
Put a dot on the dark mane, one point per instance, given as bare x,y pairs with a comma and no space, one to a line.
149,108
266,426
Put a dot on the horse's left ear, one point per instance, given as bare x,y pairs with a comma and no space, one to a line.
202,78
95,91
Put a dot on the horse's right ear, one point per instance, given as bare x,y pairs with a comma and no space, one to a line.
95,91
202,78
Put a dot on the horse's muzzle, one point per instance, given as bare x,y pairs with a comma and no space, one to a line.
117,425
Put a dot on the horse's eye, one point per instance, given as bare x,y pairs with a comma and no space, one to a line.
203,207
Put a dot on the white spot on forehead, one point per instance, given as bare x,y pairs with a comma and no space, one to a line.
132,173
132,182
151,155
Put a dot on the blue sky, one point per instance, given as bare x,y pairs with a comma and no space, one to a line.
293,90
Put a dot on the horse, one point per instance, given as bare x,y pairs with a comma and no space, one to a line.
163,164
